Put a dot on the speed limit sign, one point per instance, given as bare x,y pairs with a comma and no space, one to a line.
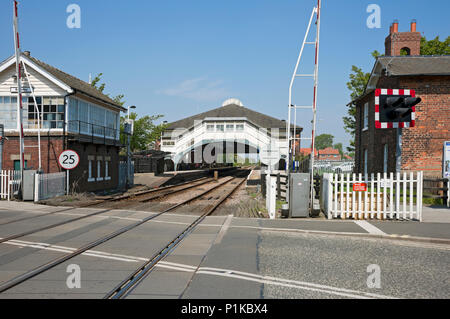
69,160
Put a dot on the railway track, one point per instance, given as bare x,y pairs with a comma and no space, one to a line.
139,196
133,280
130,283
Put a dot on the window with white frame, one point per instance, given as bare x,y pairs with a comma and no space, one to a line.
50,109
87,118
220,128
83,117
107,161
210,128
90,169
8,112
366,116
386,158
99,170
52,113
230,127
239,127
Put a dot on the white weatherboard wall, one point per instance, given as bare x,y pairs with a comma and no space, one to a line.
42,86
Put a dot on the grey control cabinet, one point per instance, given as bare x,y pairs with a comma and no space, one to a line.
299,195
28,185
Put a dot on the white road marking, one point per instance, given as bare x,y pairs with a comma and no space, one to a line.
371,229
272,281
212,271
223,230
330,290
306,231
132,219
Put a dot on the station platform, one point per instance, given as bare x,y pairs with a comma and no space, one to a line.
171,178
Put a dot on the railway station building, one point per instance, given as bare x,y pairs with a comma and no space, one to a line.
231,133
74,115
418,148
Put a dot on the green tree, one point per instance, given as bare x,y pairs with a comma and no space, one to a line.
340,148
435,47
101,87
324,141
145,131
356,85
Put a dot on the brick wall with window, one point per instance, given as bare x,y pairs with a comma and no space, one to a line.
51,148
422,145
98,169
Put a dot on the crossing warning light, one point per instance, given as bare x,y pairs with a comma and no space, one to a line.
395,108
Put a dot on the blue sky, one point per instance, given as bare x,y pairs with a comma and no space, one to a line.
181,57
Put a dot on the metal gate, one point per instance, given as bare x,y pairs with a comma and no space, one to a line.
397,196
123,168
49,186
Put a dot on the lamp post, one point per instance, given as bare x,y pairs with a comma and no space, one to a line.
129,132
162,135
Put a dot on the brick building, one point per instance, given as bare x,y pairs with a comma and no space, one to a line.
329,154
74,115
418,148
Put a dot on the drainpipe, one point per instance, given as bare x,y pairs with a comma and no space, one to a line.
66,120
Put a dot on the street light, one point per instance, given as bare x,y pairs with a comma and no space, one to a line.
162,134
130,107
129,132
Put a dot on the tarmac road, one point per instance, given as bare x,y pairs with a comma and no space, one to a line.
228,257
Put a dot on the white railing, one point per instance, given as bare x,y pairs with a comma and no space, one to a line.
397,196
49,186
9,184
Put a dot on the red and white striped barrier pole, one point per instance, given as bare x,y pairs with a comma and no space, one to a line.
19,92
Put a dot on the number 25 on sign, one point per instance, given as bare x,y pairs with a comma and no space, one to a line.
360,187
69,160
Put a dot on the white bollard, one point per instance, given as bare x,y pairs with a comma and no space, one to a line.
271,196
36,187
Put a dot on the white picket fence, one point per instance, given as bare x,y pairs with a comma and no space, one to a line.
9,184
393,196
49,186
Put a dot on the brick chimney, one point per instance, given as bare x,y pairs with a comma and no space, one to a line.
408,42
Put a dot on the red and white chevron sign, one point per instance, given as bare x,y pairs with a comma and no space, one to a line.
382,93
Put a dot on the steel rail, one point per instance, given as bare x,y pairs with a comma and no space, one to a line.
148,199
37,216
88,215
124,197
40,269
131,282
113,199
